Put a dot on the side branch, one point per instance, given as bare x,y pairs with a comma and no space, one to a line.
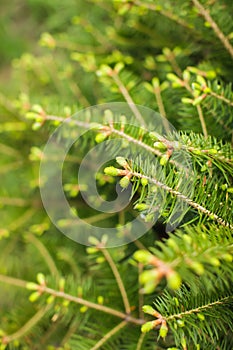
198,309
118,280
189,201
224,40
60,294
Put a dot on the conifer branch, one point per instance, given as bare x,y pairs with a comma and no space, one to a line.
118,279
179,176
139,244
60,294
66,257
45,254
10,166
140,341
78,93
117,132
96,33
83,48
13,281
68,120
202,120
209,153
140,293
91,305
70,331
163,12
17,202
98,217
6,339
223,38
220,97
159,100
170,56
184,83
126,95
7,104
136,141
22,219
140,143
187,200
107,336
9,151
199,309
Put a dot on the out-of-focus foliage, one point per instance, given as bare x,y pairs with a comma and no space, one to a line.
58,58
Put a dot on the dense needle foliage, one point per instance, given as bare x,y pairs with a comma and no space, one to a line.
165,290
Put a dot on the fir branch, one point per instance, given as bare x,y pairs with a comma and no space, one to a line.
220,97
202,120
140,341
71,330
164,12
115,76
170,56
112,130
209,153
9,151
17,202
184,83
221,301
67,120
64,255
182,310
98,217
6,339
209,148
107,336
223,38
78,300
13,281
199,316
89,220
7,104
140,293
66,44
137,142
10,166
190,252
91,305
184,198
159,100
140,143
78,93
45,254
118,279
27,215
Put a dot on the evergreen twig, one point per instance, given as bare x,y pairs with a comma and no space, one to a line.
118,279
109,335
199,309
59,294
27,326
45,254
127,96
187,200
205,13
140,341
165,13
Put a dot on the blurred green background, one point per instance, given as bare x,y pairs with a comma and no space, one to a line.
53,57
